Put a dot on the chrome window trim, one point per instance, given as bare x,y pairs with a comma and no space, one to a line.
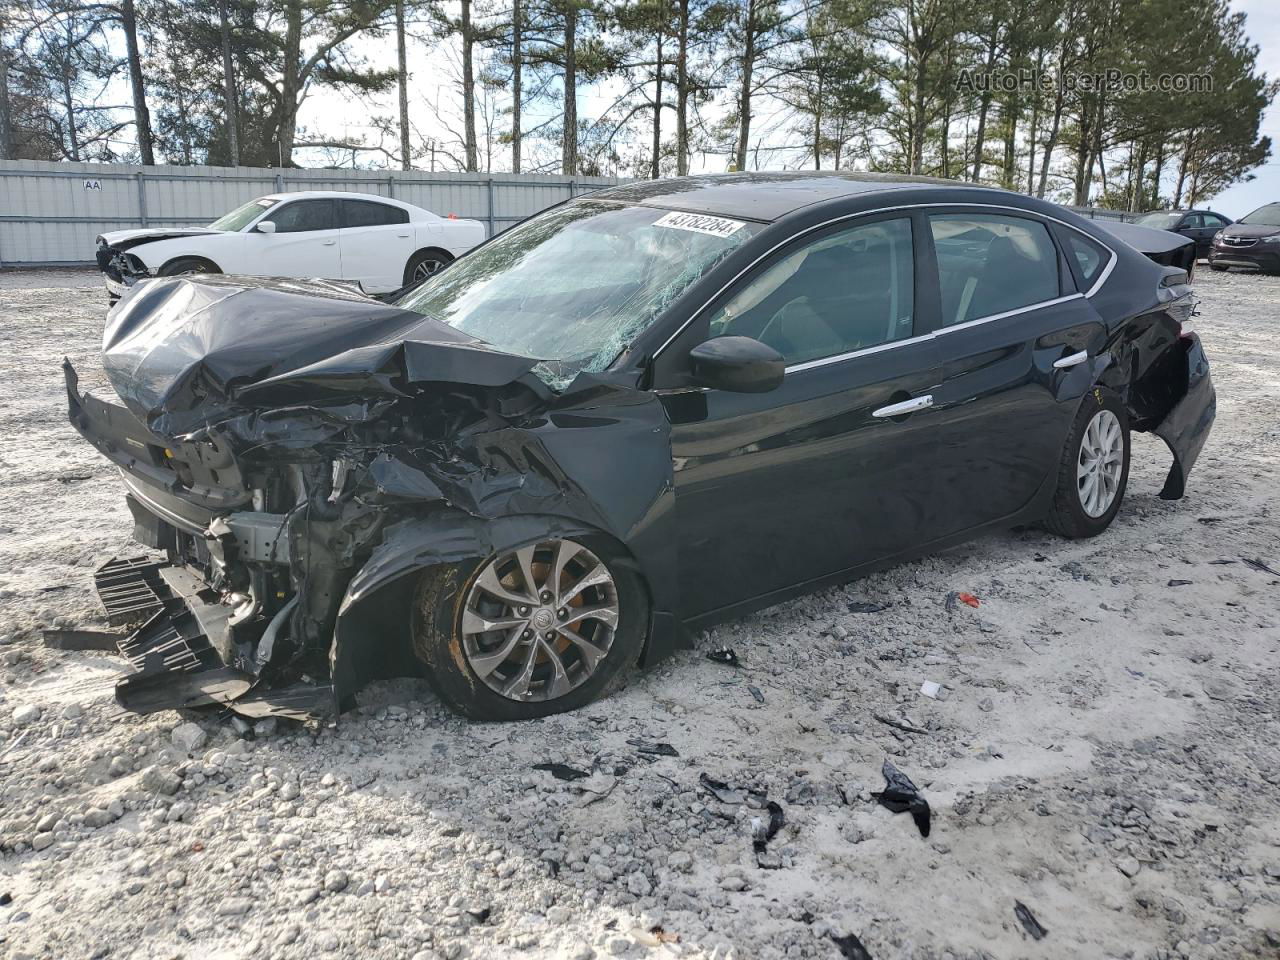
941,332
1033,214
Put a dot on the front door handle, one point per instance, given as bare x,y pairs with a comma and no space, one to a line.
1071,361
328,243
906,406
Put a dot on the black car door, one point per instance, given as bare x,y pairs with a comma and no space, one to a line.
1015,341
1212,224
1193,227
826,472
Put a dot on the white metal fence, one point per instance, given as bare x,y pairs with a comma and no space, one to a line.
51,212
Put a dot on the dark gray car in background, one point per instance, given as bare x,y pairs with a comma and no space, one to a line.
1197,225
1253,242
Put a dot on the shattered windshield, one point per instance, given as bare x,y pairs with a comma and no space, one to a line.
241,217
575,285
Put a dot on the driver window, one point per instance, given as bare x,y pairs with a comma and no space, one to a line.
844,292
303,216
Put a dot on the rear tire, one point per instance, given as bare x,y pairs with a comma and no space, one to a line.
1094,469
424,264
452,599
185,266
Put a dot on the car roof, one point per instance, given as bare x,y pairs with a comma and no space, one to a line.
340,195
763,196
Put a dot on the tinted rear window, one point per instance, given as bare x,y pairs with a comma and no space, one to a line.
367,213
990,264
1089,257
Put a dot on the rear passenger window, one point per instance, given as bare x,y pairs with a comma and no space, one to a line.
366,213
989,264
846,291
1089,257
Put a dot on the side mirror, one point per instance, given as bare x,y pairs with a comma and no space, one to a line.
737,364
266,226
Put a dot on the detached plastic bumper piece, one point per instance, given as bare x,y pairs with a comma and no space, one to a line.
177,665
129,589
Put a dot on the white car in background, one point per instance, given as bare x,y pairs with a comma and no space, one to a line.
379,243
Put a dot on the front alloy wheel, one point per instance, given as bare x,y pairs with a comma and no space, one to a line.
532,630
539,620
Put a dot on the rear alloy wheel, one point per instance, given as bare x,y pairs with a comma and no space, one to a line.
423,265
1094,469
1099,464
536,630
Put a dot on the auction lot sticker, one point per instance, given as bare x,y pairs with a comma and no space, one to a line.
699,223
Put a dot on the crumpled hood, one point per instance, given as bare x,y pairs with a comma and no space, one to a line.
131,238
183,353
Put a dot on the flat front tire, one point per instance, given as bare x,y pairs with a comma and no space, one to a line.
535,630
1094,469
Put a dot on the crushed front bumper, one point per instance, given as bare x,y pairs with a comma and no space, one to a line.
178,665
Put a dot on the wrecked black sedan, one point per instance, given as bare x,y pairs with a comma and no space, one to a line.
628,417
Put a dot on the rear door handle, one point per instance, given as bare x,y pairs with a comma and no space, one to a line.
906,406
1071,361
328,243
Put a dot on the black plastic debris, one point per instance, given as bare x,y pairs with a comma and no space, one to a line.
1178,583
901,796
1210,519
851,947
654,749
864,606
725,793
1253,563
725,655
756,692
1028,920
480,914
81,640
562,772
6,899
899,724
73,477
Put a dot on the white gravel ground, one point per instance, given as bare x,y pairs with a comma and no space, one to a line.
1107,754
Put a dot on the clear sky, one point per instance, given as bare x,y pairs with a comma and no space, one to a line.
1264,28
434,101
